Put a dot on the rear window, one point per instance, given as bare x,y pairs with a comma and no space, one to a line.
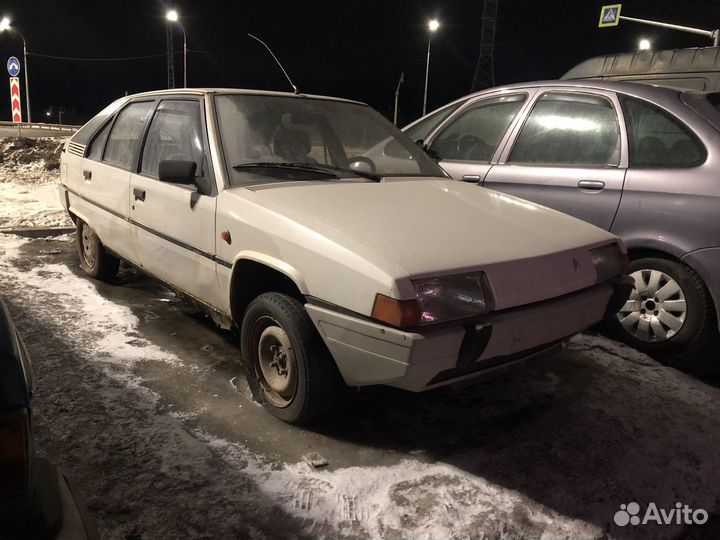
85,133
658,139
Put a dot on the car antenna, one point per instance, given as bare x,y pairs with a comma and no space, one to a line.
295,90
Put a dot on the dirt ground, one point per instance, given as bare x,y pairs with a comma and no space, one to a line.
141,399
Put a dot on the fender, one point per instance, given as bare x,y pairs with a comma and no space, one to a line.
275,264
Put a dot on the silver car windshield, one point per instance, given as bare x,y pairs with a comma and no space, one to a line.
270,138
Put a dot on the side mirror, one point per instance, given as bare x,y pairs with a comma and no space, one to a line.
177,171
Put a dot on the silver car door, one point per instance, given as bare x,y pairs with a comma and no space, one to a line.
570,154
469,141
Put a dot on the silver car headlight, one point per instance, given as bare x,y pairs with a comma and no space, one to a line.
610,261
449,298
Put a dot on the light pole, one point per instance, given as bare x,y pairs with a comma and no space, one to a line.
433,25
172,16
5,25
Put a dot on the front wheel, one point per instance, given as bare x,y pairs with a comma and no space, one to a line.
669,313
288,368
94,259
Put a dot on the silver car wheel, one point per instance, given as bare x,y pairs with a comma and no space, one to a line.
89,246
276,360
656,309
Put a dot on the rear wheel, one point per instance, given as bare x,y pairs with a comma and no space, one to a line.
669,313
94,259
288,368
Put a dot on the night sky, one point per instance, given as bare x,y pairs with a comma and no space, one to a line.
347,48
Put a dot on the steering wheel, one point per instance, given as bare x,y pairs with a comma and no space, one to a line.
361,159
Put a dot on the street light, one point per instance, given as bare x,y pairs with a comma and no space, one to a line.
644,45
5,25
433,25
172,16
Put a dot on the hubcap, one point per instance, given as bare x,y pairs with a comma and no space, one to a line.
656,309
88,245
276,359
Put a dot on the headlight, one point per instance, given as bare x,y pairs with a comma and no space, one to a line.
610,261
453,297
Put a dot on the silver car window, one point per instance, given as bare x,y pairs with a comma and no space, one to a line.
476,133
422,129
175,134
658,139
124,140
569,129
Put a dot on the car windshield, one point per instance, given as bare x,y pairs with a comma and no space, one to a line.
270,138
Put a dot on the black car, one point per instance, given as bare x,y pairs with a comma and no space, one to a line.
36,499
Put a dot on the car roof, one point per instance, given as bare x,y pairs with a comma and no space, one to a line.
657,94
245,91
667,62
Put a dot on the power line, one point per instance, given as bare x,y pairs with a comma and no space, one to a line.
96,59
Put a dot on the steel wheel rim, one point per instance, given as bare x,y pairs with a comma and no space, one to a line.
275,362
656,309
89,246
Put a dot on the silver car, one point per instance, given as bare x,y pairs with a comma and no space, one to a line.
640,161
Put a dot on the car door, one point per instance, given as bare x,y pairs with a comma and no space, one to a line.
174,224
569,154
466,144
106,172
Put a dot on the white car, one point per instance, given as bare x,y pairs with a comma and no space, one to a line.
337,267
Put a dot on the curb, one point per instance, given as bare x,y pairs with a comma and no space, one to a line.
38,232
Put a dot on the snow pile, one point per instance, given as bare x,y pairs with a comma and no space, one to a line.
29,174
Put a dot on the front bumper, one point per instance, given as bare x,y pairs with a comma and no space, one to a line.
368,353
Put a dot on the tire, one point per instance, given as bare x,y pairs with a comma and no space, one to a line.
669,314
288,368
94,259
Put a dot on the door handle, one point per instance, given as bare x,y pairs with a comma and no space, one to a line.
591,185
139,194
88,176
474,178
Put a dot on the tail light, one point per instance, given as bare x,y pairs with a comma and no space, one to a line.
14,453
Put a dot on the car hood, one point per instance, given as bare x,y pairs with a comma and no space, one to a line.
425,225
429,227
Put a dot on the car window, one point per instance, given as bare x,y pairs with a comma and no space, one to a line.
569,129
658,139
422,129
124,140
476,133
175,133
97,145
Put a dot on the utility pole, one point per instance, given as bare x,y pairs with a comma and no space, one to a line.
484,76
170,57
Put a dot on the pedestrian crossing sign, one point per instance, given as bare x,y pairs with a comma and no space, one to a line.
609,15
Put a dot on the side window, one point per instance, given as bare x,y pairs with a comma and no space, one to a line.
97,145
476,133
124,140
423,128
658,139
569,129
175,133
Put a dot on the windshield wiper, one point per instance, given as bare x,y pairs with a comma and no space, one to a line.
330,170
293,166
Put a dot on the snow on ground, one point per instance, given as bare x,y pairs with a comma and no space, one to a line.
29,175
